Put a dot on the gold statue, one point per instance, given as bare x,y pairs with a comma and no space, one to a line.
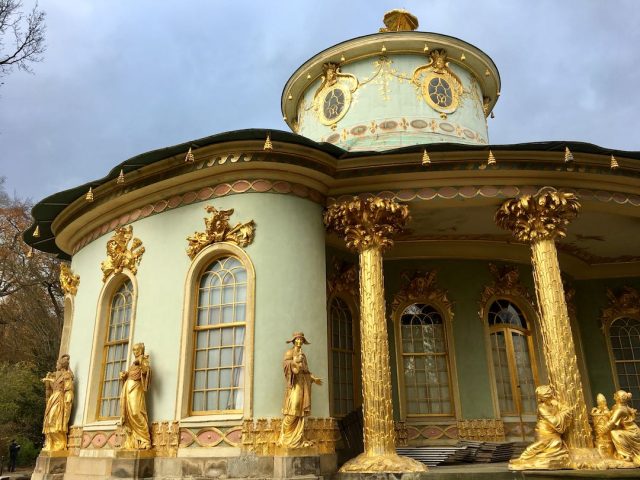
133,407
59,392
548,452
625,433
601,415
297,397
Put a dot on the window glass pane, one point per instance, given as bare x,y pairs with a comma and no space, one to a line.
115,349
221,300
342,355
624,334
425,360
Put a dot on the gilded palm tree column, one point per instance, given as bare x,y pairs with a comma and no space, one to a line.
539,220
368,227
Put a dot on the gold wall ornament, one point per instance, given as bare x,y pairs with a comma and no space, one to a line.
59,396
368,227
218,229
482,430
260,436
343,279
332,99
440,87
68,281
548,452
539,220
625,303
165,438
421,286
123,251
506,283
133,406
297,397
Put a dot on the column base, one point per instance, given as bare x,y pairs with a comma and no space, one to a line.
50,465
390,463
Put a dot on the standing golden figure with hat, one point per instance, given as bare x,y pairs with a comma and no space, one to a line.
297,397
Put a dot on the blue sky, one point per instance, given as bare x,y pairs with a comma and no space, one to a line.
121,77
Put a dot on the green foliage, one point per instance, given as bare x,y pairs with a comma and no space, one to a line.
21,408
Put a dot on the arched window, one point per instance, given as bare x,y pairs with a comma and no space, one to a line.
116,349
219,338
344,364
513,361
624,334
424,362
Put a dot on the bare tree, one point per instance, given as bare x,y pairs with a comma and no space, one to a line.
21,36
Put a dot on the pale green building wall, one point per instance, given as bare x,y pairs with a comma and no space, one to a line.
591,298
394,97
289,261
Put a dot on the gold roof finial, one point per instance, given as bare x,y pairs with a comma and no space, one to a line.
89,196
492,159
267,144
120,179
189,158
399,20
36,232
614,163
425,158
568,156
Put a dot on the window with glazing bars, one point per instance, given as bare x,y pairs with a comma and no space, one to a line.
116,348
218,360
425,361
342,357
511,347
624,334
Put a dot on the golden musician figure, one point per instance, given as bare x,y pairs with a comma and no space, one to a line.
297,398
133,406
59,394
548,452
601,416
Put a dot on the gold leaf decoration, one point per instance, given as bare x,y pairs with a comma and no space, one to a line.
544,215
367,223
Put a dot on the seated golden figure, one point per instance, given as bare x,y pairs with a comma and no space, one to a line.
59,391
601,415
549,451
133,406
297,398
625,433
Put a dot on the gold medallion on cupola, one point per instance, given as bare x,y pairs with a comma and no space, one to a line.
333,98
440,87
